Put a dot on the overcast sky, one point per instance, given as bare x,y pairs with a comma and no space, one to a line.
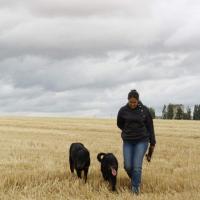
82,57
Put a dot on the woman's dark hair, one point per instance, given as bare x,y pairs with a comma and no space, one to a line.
133,93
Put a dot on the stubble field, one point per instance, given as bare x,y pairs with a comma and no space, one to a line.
34,160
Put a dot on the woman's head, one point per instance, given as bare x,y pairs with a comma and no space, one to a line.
133,99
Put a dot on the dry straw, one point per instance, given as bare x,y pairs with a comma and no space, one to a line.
34,160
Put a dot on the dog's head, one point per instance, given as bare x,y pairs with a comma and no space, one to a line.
82,159
112,163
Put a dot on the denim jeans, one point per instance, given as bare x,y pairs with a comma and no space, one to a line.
134,152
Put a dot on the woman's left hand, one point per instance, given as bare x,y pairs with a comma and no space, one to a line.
150,153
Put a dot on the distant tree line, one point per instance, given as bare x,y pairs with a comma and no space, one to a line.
177,111
152,112
196,113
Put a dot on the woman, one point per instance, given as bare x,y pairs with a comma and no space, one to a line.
135,121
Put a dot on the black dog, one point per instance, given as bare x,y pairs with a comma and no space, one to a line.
79,159
109,167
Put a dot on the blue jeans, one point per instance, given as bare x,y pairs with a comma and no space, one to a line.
134,152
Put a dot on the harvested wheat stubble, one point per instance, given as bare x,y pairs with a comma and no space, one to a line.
34,160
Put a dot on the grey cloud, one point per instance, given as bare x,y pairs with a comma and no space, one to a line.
68,102
93,73
97,35
51,8
79,37
78,57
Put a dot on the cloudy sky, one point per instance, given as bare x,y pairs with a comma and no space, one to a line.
82,57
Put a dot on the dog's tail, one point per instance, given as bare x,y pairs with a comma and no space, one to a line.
99,156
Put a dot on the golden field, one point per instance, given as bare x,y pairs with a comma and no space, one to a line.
34,160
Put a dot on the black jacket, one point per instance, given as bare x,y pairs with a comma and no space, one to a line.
136,124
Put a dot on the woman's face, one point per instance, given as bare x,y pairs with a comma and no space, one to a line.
133,102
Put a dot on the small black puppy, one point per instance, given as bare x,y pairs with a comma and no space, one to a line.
79,159
109,167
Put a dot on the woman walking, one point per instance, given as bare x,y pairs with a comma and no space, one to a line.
135,121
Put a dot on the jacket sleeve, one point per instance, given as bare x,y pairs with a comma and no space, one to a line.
120,120
150,128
